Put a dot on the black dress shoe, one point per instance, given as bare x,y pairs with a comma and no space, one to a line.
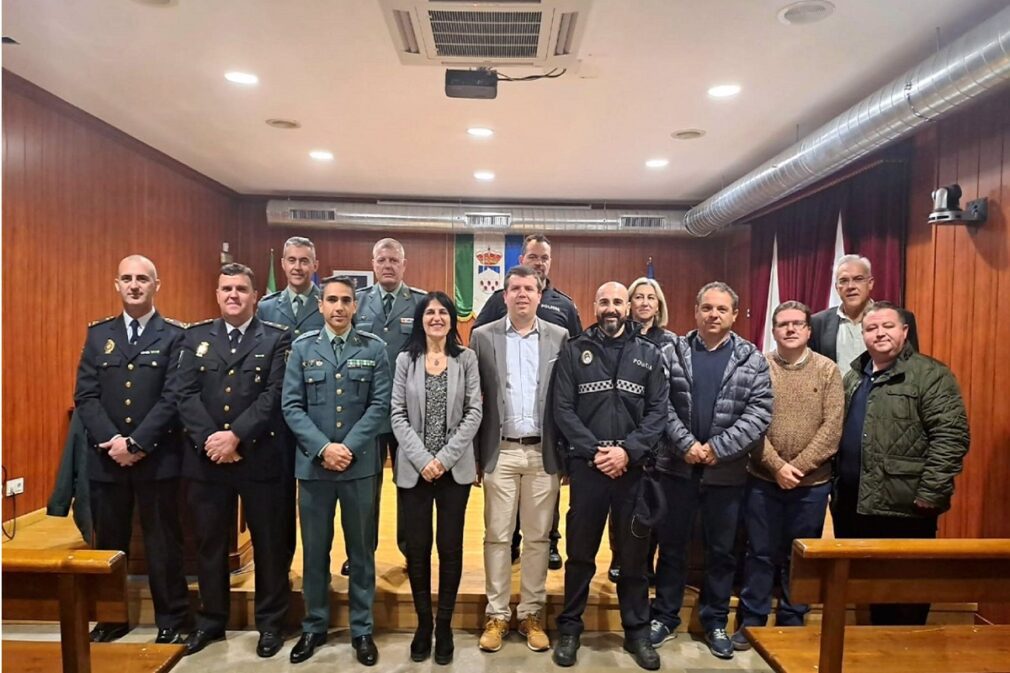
201,639
270,643
345,569
105,632
614,574
644,653
306,646
365,649
565,650
443,644
169,637
554,558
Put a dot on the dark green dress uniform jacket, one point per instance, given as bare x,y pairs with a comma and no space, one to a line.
346,401
239,391
276,308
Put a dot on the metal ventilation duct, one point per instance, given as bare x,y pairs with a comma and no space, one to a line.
976,63
505,219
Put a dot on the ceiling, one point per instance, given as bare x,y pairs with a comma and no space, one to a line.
645,67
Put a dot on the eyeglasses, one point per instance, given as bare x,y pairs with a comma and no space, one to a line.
795,324
855,280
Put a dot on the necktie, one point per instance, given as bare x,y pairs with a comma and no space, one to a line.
387,304
135,331
338,346
297,304
234,337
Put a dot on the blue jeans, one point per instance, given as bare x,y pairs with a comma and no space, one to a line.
774,517
720,513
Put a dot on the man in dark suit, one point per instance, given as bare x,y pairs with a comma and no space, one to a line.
336,400
297,308
126,396
836,332
386,309
555,307
231,372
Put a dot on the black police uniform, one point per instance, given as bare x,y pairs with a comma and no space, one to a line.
238,391
608,391
131,390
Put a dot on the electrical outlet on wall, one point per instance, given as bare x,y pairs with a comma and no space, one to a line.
14,487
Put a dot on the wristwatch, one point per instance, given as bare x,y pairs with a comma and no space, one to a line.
132,446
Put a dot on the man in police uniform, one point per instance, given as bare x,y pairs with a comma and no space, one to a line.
336,400
610,403
126,396
296,307
386,309
555,307
231,372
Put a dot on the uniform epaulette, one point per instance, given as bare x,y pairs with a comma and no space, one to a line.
101,321
417,290
369,335
275,325
271,295
311,334
173,321
562,294
364,290
200,322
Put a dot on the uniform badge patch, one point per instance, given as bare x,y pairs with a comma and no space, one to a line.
202,349
360,363
110,346
587,357
406,321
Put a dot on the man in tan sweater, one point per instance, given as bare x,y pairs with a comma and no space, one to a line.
790,474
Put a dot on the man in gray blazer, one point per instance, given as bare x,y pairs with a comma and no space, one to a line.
386,309
516,457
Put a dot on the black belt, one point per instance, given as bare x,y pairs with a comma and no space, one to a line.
535,439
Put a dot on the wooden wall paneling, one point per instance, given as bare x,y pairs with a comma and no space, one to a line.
78,196
921,236
943,280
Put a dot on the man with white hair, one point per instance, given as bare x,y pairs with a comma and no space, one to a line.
836,332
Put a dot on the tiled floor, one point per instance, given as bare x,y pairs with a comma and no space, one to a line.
600,652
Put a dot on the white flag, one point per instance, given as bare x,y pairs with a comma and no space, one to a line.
488,267
773,299
833,298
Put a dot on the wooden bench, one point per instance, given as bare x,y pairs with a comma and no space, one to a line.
837,572
73,586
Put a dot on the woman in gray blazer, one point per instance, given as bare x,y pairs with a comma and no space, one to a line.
435,414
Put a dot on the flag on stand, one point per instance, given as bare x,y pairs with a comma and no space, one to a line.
271,280
481,261
773,299
833,298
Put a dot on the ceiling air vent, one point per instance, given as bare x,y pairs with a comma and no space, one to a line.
307,215
489,220
538,33
642,222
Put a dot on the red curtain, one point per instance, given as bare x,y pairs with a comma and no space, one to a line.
761,238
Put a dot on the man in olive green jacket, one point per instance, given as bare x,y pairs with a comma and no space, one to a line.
903,442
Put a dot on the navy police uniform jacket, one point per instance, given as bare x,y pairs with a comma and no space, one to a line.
329,400
610,392
240,391
131,390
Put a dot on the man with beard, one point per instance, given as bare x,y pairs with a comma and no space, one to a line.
610,403
555,307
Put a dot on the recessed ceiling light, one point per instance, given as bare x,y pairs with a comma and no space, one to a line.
724,90
480,132
657,163
687,134
484,175
157,3
805,12
241,77
321,155
283,124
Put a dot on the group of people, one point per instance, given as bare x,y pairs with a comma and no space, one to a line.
301,397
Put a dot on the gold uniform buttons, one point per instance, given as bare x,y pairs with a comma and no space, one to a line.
227,408
339,376
231,372
339,408
127,402
129,384
154,363
227,426
227,389
340,391
129,366
128,420
340,424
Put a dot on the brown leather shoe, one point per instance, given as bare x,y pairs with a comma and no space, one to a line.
494,633
536,638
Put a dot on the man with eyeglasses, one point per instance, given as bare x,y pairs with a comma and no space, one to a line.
836,333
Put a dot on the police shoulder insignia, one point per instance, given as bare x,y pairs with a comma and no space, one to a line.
202,349
100,321
199,322
276,325
587,357
174,322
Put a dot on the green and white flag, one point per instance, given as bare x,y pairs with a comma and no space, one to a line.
271,280
480,270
